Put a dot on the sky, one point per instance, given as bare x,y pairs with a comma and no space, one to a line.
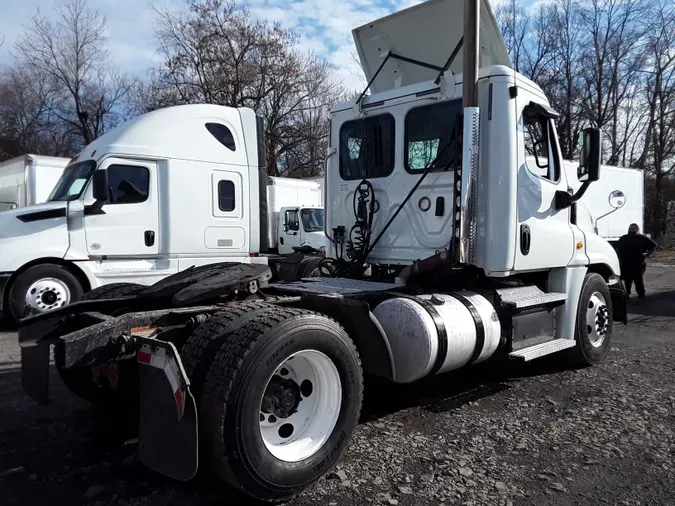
324,27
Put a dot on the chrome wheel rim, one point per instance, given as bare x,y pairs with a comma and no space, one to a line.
597,319
47,295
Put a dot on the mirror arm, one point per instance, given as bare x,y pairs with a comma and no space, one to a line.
563,200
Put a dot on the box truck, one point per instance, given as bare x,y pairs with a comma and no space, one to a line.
28,179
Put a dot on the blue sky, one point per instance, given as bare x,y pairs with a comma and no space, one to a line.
324,27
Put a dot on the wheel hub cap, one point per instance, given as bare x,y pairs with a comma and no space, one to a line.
300,406
597,319
46,295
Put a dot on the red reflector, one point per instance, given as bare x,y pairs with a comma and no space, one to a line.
178,396
144,357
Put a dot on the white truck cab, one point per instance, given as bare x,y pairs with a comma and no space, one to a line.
175,188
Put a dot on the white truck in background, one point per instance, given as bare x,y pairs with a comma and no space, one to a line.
28,179
610,222
184,190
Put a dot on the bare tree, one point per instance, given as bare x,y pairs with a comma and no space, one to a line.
87,92
214,52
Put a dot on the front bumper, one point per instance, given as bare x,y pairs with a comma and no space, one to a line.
4,279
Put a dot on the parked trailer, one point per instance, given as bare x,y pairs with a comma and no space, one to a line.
611,223
28,180
179,188
264,381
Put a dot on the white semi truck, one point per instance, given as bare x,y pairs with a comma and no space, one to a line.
28,180
447,249
180,193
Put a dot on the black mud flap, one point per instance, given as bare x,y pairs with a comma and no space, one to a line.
167,437
619,303
35,372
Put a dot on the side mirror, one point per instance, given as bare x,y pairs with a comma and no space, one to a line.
590,154
100,185
617,199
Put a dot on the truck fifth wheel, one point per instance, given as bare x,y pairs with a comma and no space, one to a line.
454,239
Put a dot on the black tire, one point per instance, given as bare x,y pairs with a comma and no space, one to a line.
233,389
589,350
16,300
81,381
113,291
309,268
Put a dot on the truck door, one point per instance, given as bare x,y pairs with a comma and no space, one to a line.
128,224
289,233
545,237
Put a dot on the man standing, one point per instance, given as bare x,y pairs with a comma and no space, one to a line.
633,249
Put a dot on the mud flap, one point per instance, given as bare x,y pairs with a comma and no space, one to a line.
167,437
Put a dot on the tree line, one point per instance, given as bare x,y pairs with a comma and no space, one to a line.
63,90
605,63
608,64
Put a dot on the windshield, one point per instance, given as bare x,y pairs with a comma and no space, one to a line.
73,181
312,219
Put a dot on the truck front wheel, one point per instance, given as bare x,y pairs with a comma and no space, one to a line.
40,289
594,322
281,400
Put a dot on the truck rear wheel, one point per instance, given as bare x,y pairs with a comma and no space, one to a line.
86,382
40,289
593,331
281,400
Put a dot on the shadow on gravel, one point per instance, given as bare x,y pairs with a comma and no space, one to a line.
452,390
658,304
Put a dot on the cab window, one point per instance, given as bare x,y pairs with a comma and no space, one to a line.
540,152
128,184
367,147
431,136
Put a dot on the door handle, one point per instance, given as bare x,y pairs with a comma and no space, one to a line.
149,238
525,239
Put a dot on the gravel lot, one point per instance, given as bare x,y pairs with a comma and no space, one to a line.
540,435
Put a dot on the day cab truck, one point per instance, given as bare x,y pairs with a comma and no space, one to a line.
447,249
183,187
28,179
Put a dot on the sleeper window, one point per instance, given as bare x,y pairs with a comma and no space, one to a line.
222,135
226,198
128,184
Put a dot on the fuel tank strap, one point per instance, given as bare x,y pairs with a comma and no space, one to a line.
478,321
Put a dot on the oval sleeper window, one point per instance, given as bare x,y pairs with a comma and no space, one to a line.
222,135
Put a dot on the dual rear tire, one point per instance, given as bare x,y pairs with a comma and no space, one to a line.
279,394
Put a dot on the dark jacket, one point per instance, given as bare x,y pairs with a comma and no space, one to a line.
632,249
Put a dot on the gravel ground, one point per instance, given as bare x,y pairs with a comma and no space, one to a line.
541,434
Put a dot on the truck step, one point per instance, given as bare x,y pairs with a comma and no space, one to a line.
523,297
540,350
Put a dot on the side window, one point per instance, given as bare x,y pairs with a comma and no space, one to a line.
128,184
367,147
540,154
292,221
222,135
431,131
226,198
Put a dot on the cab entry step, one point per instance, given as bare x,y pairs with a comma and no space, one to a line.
540,350
523,297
